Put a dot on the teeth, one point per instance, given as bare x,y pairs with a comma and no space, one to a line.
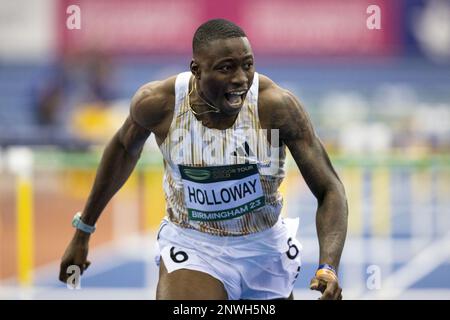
237,93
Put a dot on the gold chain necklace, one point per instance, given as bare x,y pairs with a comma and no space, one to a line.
194,87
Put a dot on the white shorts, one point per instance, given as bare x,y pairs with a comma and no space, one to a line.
263,265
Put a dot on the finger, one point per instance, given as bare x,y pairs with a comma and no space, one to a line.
338,295
318,284
84,266
314,285
330,291
62,273
62,277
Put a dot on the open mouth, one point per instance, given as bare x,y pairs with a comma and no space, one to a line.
235,98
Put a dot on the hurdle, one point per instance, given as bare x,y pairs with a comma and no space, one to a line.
19,161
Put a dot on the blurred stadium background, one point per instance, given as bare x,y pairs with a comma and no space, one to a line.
380,101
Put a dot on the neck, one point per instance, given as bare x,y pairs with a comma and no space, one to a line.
206,112
217,120
200,105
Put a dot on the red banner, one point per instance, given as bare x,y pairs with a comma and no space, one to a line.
311,27
319,27
137,26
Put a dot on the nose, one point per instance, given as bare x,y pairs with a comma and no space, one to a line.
239,78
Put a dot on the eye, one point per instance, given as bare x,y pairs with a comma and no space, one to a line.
225,68
248,65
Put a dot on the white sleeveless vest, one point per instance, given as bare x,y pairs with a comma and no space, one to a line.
221,182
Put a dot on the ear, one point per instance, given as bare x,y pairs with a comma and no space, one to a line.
195,69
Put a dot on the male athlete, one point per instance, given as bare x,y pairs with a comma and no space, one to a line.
223,129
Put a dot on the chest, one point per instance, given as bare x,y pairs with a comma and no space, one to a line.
198,145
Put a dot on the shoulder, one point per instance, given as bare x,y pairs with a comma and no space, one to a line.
269,92
153,102
279,108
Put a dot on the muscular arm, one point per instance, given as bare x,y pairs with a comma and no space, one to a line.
118,161
123,151
312,160
149,110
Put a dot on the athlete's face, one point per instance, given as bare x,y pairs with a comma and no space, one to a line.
224,70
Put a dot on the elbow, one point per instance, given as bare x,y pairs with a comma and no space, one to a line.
340,190
133,152
341,198
334,194
129,150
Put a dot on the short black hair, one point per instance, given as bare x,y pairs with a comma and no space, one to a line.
213,30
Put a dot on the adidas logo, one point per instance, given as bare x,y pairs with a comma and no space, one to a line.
243,151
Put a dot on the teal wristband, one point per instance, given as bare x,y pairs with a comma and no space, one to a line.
77,223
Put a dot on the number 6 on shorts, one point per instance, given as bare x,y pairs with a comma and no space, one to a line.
175,256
